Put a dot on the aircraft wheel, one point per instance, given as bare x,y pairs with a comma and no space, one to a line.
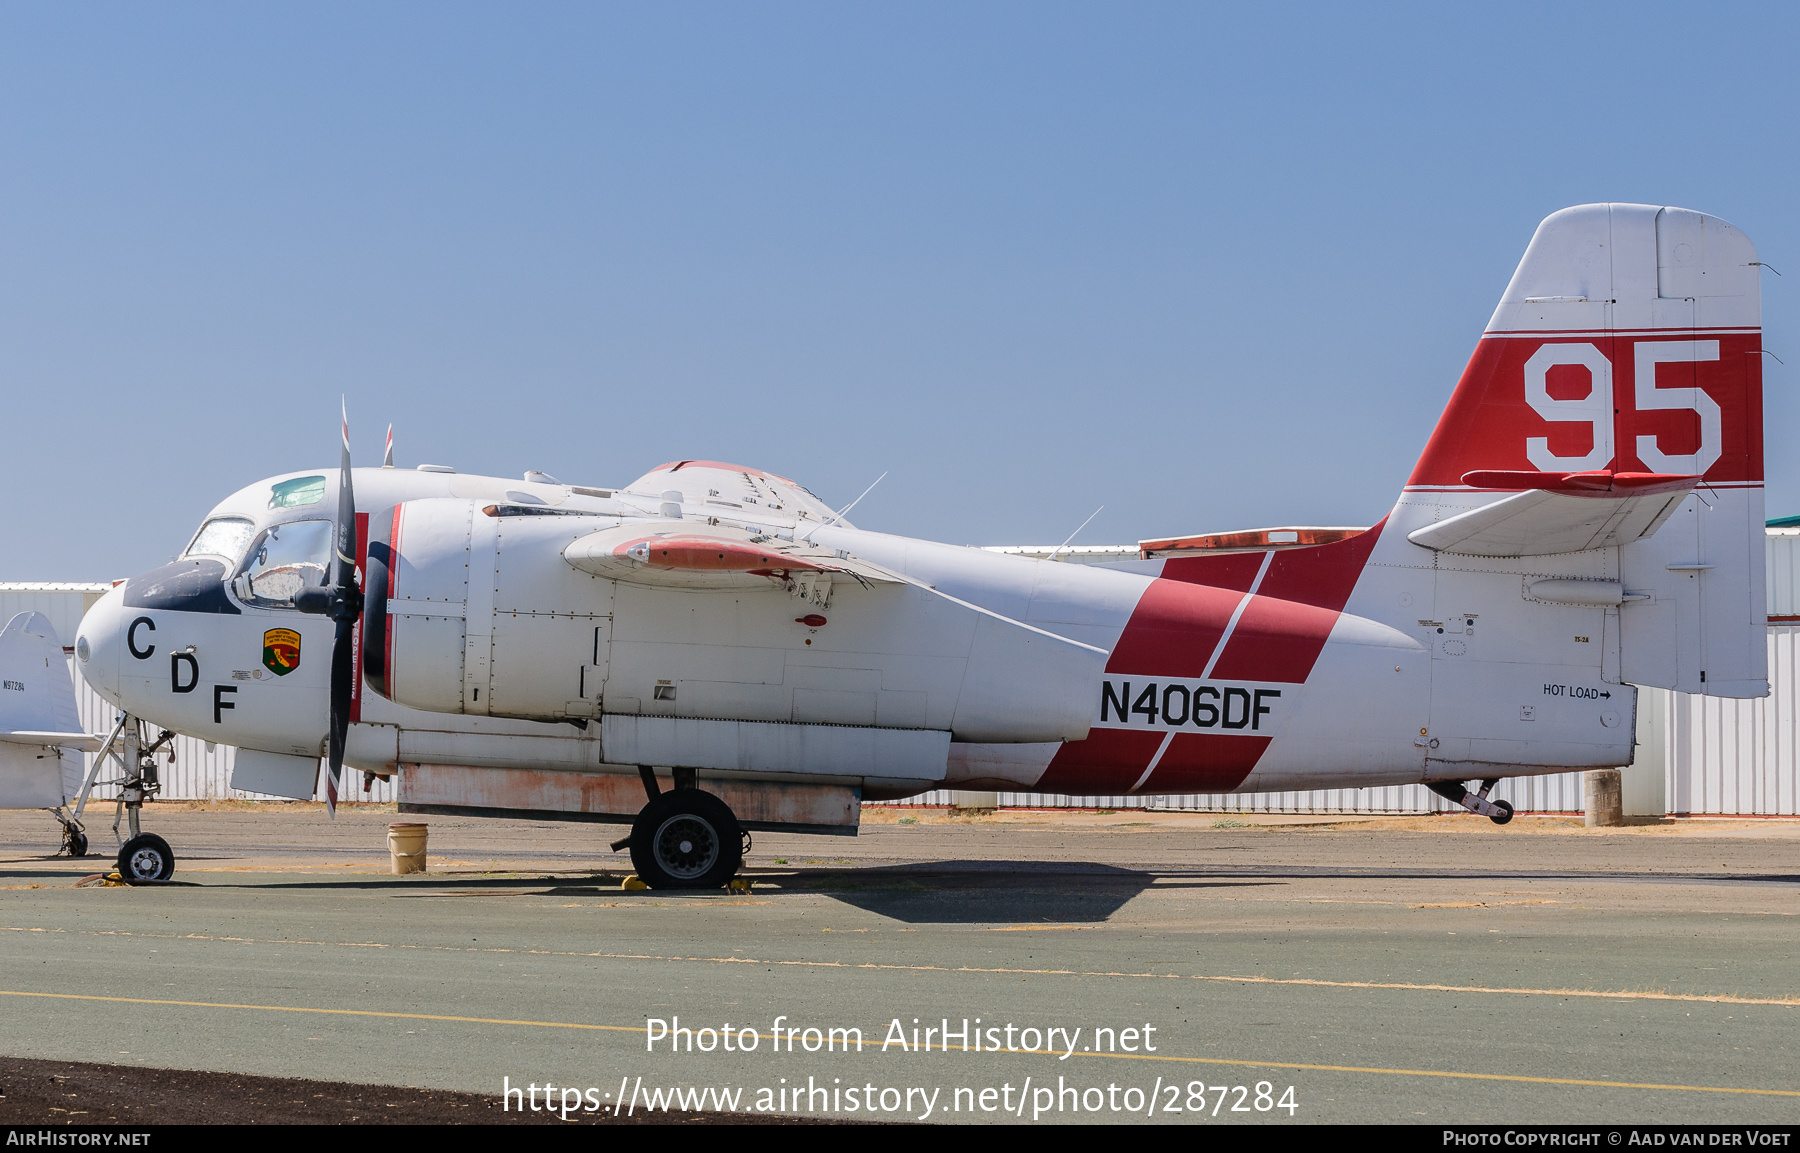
146,857
686,839
76,844
1504,815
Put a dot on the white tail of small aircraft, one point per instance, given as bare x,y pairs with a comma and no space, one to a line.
39,727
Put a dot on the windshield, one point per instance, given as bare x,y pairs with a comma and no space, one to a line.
223,536
286,559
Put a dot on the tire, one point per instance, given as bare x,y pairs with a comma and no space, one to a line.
77,844
146,857
686,839
1504,815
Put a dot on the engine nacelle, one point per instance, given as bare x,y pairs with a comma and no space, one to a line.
469,612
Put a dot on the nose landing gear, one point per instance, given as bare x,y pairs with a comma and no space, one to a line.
144,856
1498,812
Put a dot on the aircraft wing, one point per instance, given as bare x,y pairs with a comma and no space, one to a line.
1558,512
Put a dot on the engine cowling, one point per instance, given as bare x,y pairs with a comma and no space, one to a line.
473,612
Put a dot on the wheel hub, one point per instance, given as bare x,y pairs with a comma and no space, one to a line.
687,846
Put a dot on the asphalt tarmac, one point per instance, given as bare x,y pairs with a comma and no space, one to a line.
1170,968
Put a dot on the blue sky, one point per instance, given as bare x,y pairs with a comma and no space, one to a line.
1211,266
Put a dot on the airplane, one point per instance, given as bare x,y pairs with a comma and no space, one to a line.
41,739
711,649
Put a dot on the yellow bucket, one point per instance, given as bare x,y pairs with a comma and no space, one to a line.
406,847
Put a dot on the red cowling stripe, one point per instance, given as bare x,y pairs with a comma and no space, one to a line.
356,653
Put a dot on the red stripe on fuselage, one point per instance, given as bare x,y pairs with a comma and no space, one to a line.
1205,763
1235,571
1174,628
1173,631
1284,627
1110,761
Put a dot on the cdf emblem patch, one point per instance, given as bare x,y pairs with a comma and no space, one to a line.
281,651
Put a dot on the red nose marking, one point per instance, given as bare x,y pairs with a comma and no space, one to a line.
810,620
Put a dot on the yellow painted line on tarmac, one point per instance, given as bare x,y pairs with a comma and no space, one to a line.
1312,1068
332,1012
1239,978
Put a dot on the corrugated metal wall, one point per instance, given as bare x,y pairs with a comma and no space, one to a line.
63,602
1739,756
1782,556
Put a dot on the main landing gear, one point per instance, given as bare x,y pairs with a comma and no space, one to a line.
1498,812
685,838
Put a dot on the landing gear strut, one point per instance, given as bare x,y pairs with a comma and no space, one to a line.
685,838
1498,812
144,857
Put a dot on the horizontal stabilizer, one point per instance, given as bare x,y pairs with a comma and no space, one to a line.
86,742
1558,513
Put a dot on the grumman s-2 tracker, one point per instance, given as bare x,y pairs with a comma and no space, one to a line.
710,649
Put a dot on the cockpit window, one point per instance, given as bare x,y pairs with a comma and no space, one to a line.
302,490
285,559
223,536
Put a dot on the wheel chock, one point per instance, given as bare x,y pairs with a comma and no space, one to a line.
738,885
633,884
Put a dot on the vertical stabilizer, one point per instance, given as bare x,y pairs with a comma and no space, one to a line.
37,715
1627,351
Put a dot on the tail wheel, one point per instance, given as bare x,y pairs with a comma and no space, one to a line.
146,857
1504,815
686,839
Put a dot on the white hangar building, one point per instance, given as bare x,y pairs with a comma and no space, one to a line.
1695,755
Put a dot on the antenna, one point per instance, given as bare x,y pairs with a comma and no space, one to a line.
839,514
1073,535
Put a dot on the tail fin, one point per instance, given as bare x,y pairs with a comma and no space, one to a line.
39,725
1623,362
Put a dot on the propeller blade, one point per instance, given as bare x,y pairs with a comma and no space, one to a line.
346,607
387,454
343,672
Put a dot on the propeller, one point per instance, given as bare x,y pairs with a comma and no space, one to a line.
342,601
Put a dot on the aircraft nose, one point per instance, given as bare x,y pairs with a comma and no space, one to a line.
100,642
